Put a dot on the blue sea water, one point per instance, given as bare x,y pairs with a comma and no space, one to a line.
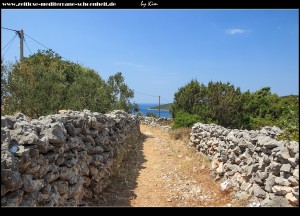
144,110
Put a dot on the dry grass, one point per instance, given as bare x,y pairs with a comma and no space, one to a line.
182,134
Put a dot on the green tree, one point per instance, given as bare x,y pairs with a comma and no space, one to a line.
261,108
186,97
224,104
36,85
121,94
218,102
43,83
86,90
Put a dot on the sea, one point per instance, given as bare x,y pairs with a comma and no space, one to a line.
143,108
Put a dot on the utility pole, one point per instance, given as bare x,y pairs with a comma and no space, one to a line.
21,36
158,106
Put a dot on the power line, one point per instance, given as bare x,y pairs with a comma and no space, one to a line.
165,99
9,42
33,40
9,29
21,35
27,46
152,96
145,94
37,41
45,46
8,46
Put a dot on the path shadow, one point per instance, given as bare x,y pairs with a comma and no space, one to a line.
121,189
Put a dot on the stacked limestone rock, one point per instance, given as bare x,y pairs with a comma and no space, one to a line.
162,123
252,162
62,159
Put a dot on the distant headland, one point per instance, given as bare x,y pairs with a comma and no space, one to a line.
162,107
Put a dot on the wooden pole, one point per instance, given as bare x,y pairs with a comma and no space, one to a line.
158,106
21,35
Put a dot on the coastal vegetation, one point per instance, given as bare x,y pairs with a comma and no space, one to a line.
44,83
225,105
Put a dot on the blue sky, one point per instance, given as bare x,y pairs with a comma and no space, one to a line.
159,51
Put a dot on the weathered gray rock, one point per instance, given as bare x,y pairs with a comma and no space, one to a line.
5,136
293,147
295,191
242,195
282,181
24,133
43,145
293,181
61,159
12,199
62,186
11,179
258,191
283,154
251,160
293,162
275,201
10,121
271,131
285,168
281,190
275,168
30,185
226,185
55,134
270,181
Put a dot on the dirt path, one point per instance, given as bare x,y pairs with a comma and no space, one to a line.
161,171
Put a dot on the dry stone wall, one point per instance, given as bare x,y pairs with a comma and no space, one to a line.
251,162
63,159
162,123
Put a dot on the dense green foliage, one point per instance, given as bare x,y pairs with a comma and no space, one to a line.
184,120
226,105
44,83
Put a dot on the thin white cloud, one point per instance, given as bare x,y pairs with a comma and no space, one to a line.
236,31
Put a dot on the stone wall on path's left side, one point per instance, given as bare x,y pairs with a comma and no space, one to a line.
62,159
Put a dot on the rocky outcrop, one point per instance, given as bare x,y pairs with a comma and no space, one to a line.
251,161
63,159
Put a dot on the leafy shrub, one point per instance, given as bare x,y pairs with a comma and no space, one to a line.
184,120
